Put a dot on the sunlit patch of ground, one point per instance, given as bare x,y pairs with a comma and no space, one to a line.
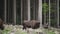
17,29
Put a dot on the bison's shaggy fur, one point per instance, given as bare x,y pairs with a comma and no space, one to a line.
31,24
1,24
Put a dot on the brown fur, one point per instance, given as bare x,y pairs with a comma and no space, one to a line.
31,24
1,24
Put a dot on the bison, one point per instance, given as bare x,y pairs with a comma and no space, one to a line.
46,25
34,24
1,24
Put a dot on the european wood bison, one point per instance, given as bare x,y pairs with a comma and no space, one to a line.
31,24
46,25
1,24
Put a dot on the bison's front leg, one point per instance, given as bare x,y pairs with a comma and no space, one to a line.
24,26
2,27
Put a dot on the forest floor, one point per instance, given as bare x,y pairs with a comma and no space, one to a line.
17,29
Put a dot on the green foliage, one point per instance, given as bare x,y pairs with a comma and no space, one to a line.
45,8
49,31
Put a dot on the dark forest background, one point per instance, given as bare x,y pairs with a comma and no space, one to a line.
45,10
